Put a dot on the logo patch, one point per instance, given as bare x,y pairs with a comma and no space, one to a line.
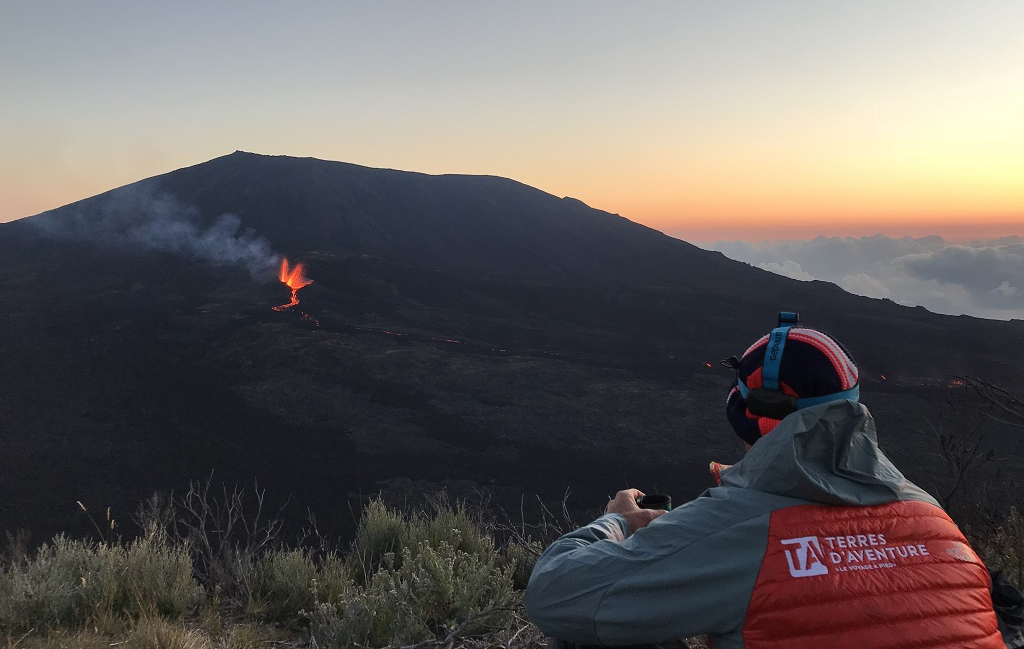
807,556
805,559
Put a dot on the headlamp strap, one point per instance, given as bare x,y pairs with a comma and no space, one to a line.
766,404
773,357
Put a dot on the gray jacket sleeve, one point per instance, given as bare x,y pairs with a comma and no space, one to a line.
689,572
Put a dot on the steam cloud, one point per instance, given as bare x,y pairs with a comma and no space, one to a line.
980,278
137,215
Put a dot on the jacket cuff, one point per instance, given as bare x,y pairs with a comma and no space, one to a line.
614,527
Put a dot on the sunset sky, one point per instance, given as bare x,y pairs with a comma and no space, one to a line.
708,120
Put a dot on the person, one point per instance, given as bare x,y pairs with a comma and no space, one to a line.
814,539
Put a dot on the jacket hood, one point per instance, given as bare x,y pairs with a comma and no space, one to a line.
825,454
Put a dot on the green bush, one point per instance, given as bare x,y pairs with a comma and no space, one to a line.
455,527
520,559
433,593
70,583
1002,546
384,532
280,586
334,580
51,589
415,577
429,574
152,576
444,588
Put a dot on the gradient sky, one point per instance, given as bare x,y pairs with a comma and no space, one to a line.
717,119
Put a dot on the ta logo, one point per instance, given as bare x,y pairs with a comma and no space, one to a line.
805,559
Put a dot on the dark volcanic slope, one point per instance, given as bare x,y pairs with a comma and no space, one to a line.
488,226
543,343
430,235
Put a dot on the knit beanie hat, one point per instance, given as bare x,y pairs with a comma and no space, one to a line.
814,368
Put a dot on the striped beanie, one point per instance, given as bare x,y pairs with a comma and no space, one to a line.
813,368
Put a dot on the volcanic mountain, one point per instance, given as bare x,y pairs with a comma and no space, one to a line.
466,331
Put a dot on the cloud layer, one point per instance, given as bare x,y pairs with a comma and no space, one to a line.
980,278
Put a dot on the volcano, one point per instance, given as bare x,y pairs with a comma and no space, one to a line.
470,332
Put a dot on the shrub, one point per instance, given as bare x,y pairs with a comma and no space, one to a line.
384,531
1002,547
520,558
415,577
445,588
435,592
152,576
428,575
280,585
70,583
51,589
334,581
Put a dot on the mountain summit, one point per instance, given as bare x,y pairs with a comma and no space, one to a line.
489,226
459,330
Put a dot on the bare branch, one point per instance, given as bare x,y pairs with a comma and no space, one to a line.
1001,398
999,420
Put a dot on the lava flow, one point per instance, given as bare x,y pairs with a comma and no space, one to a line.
295,278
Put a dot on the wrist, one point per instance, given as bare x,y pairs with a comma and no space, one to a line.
616,526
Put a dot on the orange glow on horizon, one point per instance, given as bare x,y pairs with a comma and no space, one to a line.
736,195
764,230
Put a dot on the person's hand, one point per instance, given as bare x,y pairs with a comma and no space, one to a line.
624,503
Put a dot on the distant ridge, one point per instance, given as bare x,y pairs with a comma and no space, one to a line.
489,227
462,328
485,224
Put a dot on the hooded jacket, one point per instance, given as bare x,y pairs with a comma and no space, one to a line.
813,540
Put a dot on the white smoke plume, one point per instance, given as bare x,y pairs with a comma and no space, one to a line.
979,278
138,216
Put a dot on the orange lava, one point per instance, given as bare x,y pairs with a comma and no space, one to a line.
295,278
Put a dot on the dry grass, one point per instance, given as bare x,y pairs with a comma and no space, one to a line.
158,633
426,579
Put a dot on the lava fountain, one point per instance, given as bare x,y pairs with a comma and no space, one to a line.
295,278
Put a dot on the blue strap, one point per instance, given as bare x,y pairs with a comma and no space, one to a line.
853,394
773,357
742,387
